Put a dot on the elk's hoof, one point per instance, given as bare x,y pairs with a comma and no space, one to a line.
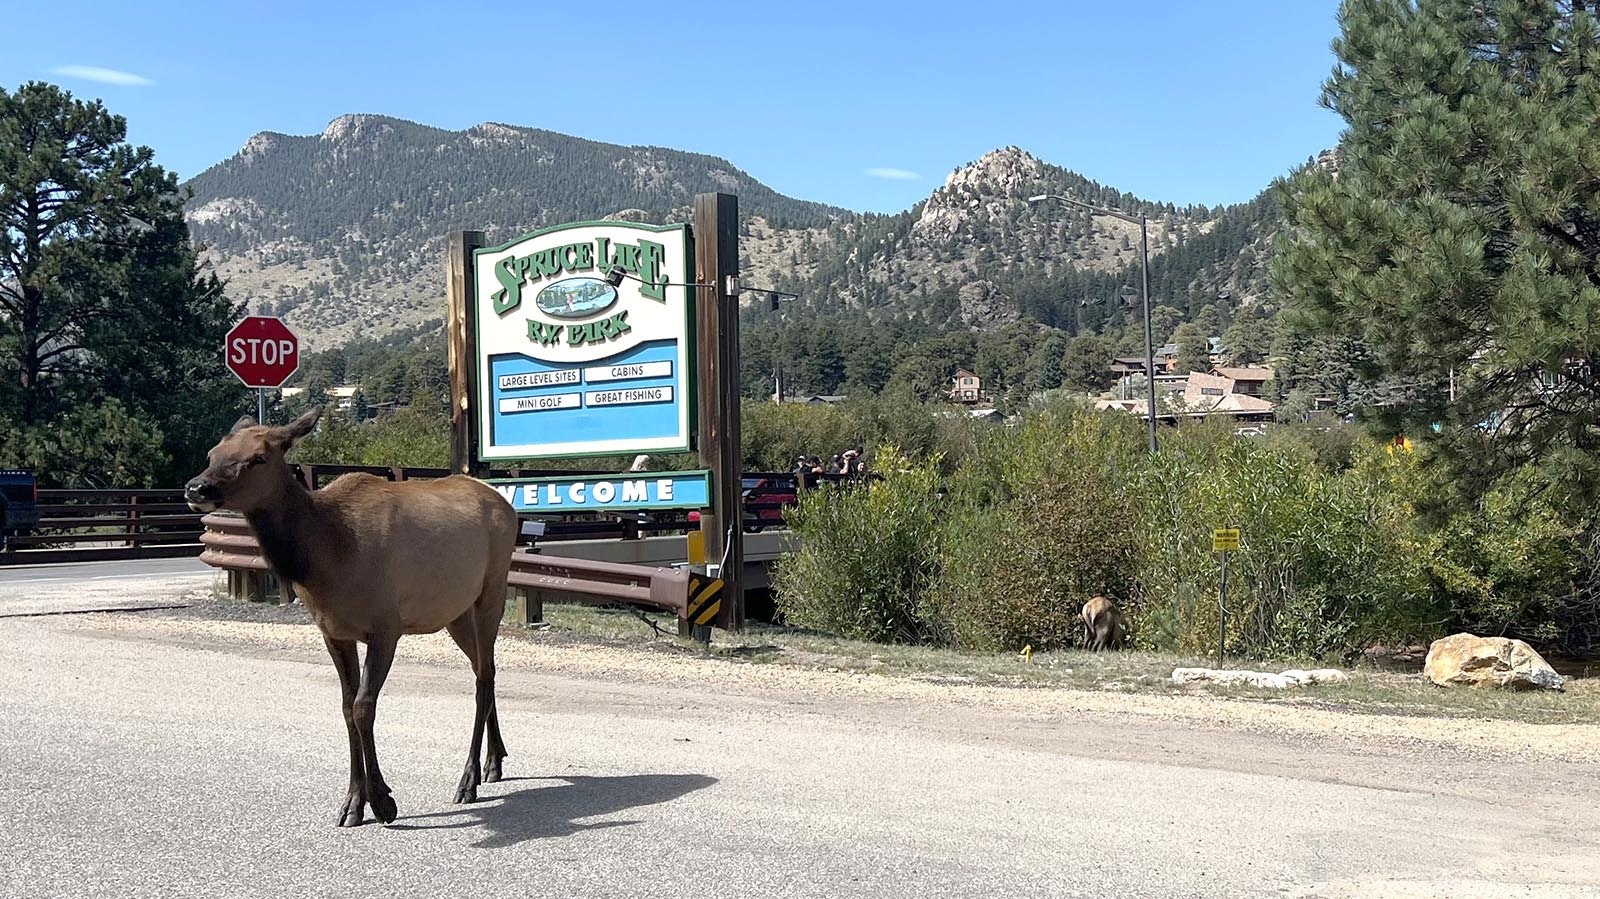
350,815
491,771
467,790
383,808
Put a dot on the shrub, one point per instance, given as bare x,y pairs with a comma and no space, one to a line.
1043,525
1521,565
1325,557
869,557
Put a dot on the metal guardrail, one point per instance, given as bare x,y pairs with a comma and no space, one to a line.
231,545
666,589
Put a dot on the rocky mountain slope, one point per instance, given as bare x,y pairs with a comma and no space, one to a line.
343,232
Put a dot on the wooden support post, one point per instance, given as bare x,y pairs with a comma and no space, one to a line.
133,520
716,250
523,606
462,351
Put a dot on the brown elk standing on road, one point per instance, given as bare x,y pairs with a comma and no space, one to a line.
1104,626
372,560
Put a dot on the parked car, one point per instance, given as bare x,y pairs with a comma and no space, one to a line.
19,503
764,502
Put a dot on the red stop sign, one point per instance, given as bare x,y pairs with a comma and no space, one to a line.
262,351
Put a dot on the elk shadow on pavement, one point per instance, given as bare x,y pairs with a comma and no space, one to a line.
535,813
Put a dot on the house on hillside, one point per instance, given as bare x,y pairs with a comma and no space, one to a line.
1122,366
966,387
1248,380
343,398
1201,395
1166,357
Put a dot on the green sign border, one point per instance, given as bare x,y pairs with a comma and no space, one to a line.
690,306
703,473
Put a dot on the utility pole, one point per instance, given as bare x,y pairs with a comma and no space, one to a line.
1144,269
461,349
716,251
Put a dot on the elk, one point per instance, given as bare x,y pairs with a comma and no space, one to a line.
1104,625
372,560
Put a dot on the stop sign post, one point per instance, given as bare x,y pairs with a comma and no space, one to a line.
262,352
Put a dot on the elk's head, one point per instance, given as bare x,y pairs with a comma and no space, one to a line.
245,468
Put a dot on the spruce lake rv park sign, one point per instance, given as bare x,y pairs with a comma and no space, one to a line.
571,365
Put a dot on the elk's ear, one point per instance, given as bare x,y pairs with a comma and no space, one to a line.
244,421
301,426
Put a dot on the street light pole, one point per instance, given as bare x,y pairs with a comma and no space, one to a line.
1144,267
1149,345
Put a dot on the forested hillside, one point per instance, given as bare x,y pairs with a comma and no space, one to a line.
342,232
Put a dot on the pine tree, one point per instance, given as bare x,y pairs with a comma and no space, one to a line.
1462,231
101,296
1193,351
1086,364
1046,373
1249,339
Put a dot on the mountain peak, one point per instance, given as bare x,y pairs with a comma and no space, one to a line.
495,130
260,145
357,125
980,190
1005,169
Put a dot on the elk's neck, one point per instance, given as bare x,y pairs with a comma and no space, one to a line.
285,531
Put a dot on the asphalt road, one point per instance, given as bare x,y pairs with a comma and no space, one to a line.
29,590
159,762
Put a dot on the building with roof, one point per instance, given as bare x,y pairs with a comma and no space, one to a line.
967,387
1249,379
1203,394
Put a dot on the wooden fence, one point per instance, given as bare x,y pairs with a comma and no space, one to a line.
98,525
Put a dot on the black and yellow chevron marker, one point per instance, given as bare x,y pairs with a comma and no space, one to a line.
705,598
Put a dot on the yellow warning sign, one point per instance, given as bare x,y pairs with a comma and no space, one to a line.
1224,539
705,598
697,547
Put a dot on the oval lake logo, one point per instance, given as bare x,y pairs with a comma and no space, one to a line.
576,297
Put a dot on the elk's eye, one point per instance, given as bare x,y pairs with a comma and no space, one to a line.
258,460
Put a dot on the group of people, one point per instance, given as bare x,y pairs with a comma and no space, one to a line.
850,465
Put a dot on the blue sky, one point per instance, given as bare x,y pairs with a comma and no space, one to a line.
864,105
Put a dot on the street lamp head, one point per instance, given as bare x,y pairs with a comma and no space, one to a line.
615,276
1039,199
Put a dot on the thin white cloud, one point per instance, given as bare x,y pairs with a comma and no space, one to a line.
102,76
893,174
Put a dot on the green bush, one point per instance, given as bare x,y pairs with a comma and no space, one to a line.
1325,564
1068,504
1040,523
1520,564
869,557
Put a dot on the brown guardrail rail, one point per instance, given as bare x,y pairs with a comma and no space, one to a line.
231,545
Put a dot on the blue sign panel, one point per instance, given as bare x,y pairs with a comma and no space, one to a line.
570,364
597,493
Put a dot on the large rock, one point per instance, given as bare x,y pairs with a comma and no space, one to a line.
1466,660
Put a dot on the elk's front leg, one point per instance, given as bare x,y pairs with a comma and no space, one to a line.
348,664
380,655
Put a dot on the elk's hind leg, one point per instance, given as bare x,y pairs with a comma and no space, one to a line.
489,612
467,633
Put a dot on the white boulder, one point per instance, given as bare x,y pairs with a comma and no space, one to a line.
1467,660
1264,680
